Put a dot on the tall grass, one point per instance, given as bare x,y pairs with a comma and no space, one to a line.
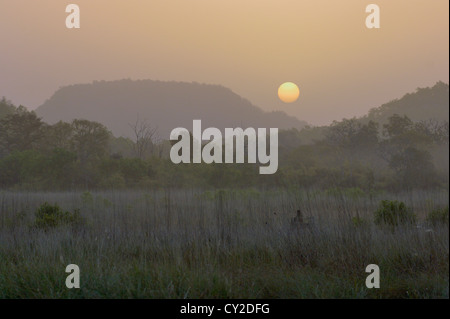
222,244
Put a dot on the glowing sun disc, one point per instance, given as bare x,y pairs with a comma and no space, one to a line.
288,92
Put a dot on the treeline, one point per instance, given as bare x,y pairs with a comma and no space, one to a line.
400,154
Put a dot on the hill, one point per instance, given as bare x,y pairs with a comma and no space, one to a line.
424,104
430,103
165,105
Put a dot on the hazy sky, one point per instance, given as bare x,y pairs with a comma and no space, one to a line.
249,46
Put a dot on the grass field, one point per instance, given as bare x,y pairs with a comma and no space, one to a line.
222,244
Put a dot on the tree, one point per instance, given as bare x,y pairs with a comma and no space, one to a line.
89,140
353,135
414,168
6,107
397,126
21,130
26,167
342,133
144,134
435,130
60,168
400,134
59,136
353,140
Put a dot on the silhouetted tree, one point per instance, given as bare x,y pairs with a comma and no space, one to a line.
144,134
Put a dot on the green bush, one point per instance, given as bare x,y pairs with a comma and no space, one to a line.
358,221
50,216
438,216
87,198
393,213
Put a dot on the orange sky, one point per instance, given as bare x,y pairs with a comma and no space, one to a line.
250,46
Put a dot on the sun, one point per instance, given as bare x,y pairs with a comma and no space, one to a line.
288,92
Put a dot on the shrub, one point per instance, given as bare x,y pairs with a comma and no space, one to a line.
50,216
87,198
393,213
358,221
438,216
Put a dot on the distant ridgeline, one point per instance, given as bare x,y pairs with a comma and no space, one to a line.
424,104
164,105
430,104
